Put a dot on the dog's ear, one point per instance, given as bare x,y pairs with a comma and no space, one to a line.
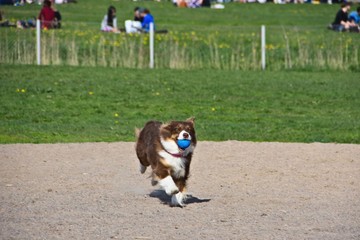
191,120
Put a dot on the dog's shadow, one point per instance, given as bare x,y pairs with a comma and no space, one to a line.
166,199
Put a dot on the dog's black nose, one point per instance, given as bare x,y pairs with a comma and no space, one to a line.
185,135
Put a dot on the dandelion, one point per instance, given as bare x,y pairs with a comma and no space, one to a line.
22,90
270,46
213,109
116,115
224,45
91,93
116,44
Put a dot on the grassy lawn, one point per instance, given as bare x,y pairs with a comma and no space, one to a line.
91,12
80,104
228,39
207,67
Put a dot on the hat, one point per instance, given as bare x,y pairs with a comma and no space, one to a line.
139,9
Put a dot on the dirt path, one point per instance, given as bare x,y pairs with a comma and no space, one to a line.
240,190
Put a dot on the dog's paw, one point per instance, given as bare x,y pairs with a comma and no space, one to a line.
178,199
154,182
142,168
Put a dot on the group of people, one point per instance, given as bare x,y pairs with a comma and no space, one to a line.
140,23
192,3
23,2
49,18
346,22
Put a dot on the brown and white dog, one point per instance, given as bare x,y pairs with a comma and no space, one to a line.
157,146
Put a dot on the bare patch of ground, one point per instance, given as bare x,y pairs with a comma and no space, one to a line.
239,190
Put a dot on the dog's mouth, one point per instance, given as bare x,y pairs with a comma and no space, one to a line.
183,140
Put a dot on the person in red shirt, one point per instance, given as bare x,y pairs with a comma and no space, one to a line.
47,15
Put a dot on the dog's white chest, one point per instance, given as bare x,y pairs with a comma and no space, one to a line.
177,164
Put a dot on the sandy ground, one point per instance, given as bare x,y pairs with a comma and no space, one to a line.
239,190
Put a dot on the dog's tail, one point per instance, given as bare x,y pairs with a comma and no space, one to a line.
137,132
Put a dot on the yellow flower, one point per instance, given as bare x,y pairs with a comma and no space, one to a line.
213,109
91,93
116,115
270,46
21,90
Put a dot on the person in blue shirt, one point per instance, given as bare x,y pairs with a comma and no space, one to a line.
354,16
147,19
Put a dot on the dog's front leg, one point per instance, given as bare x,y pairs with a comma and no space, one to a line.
179,198
168,185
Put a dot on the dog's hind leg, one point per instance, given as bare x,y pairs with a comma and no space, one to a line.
143,163
142,168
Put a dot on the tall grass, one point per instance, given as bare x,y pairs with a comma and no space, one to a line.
198,39
287,48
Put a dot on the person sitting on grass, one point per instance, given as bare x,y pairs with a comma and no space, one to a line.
109,22
47,15
341,22
134,26
147,19
354,16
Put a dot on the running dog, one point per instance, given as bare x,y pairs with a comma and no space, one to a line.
168,149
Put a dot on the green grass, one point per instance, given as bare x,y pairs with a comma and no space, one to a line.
227,39
81,104
197,74
90,12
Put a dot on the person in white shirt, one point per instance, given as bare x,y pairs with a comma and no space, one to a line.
134,26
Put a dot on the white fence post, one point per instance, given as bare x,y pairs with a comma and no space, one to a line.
263,47
151,45
38,42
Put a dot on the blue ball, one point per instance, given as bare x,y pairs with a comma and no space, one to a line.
183,143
